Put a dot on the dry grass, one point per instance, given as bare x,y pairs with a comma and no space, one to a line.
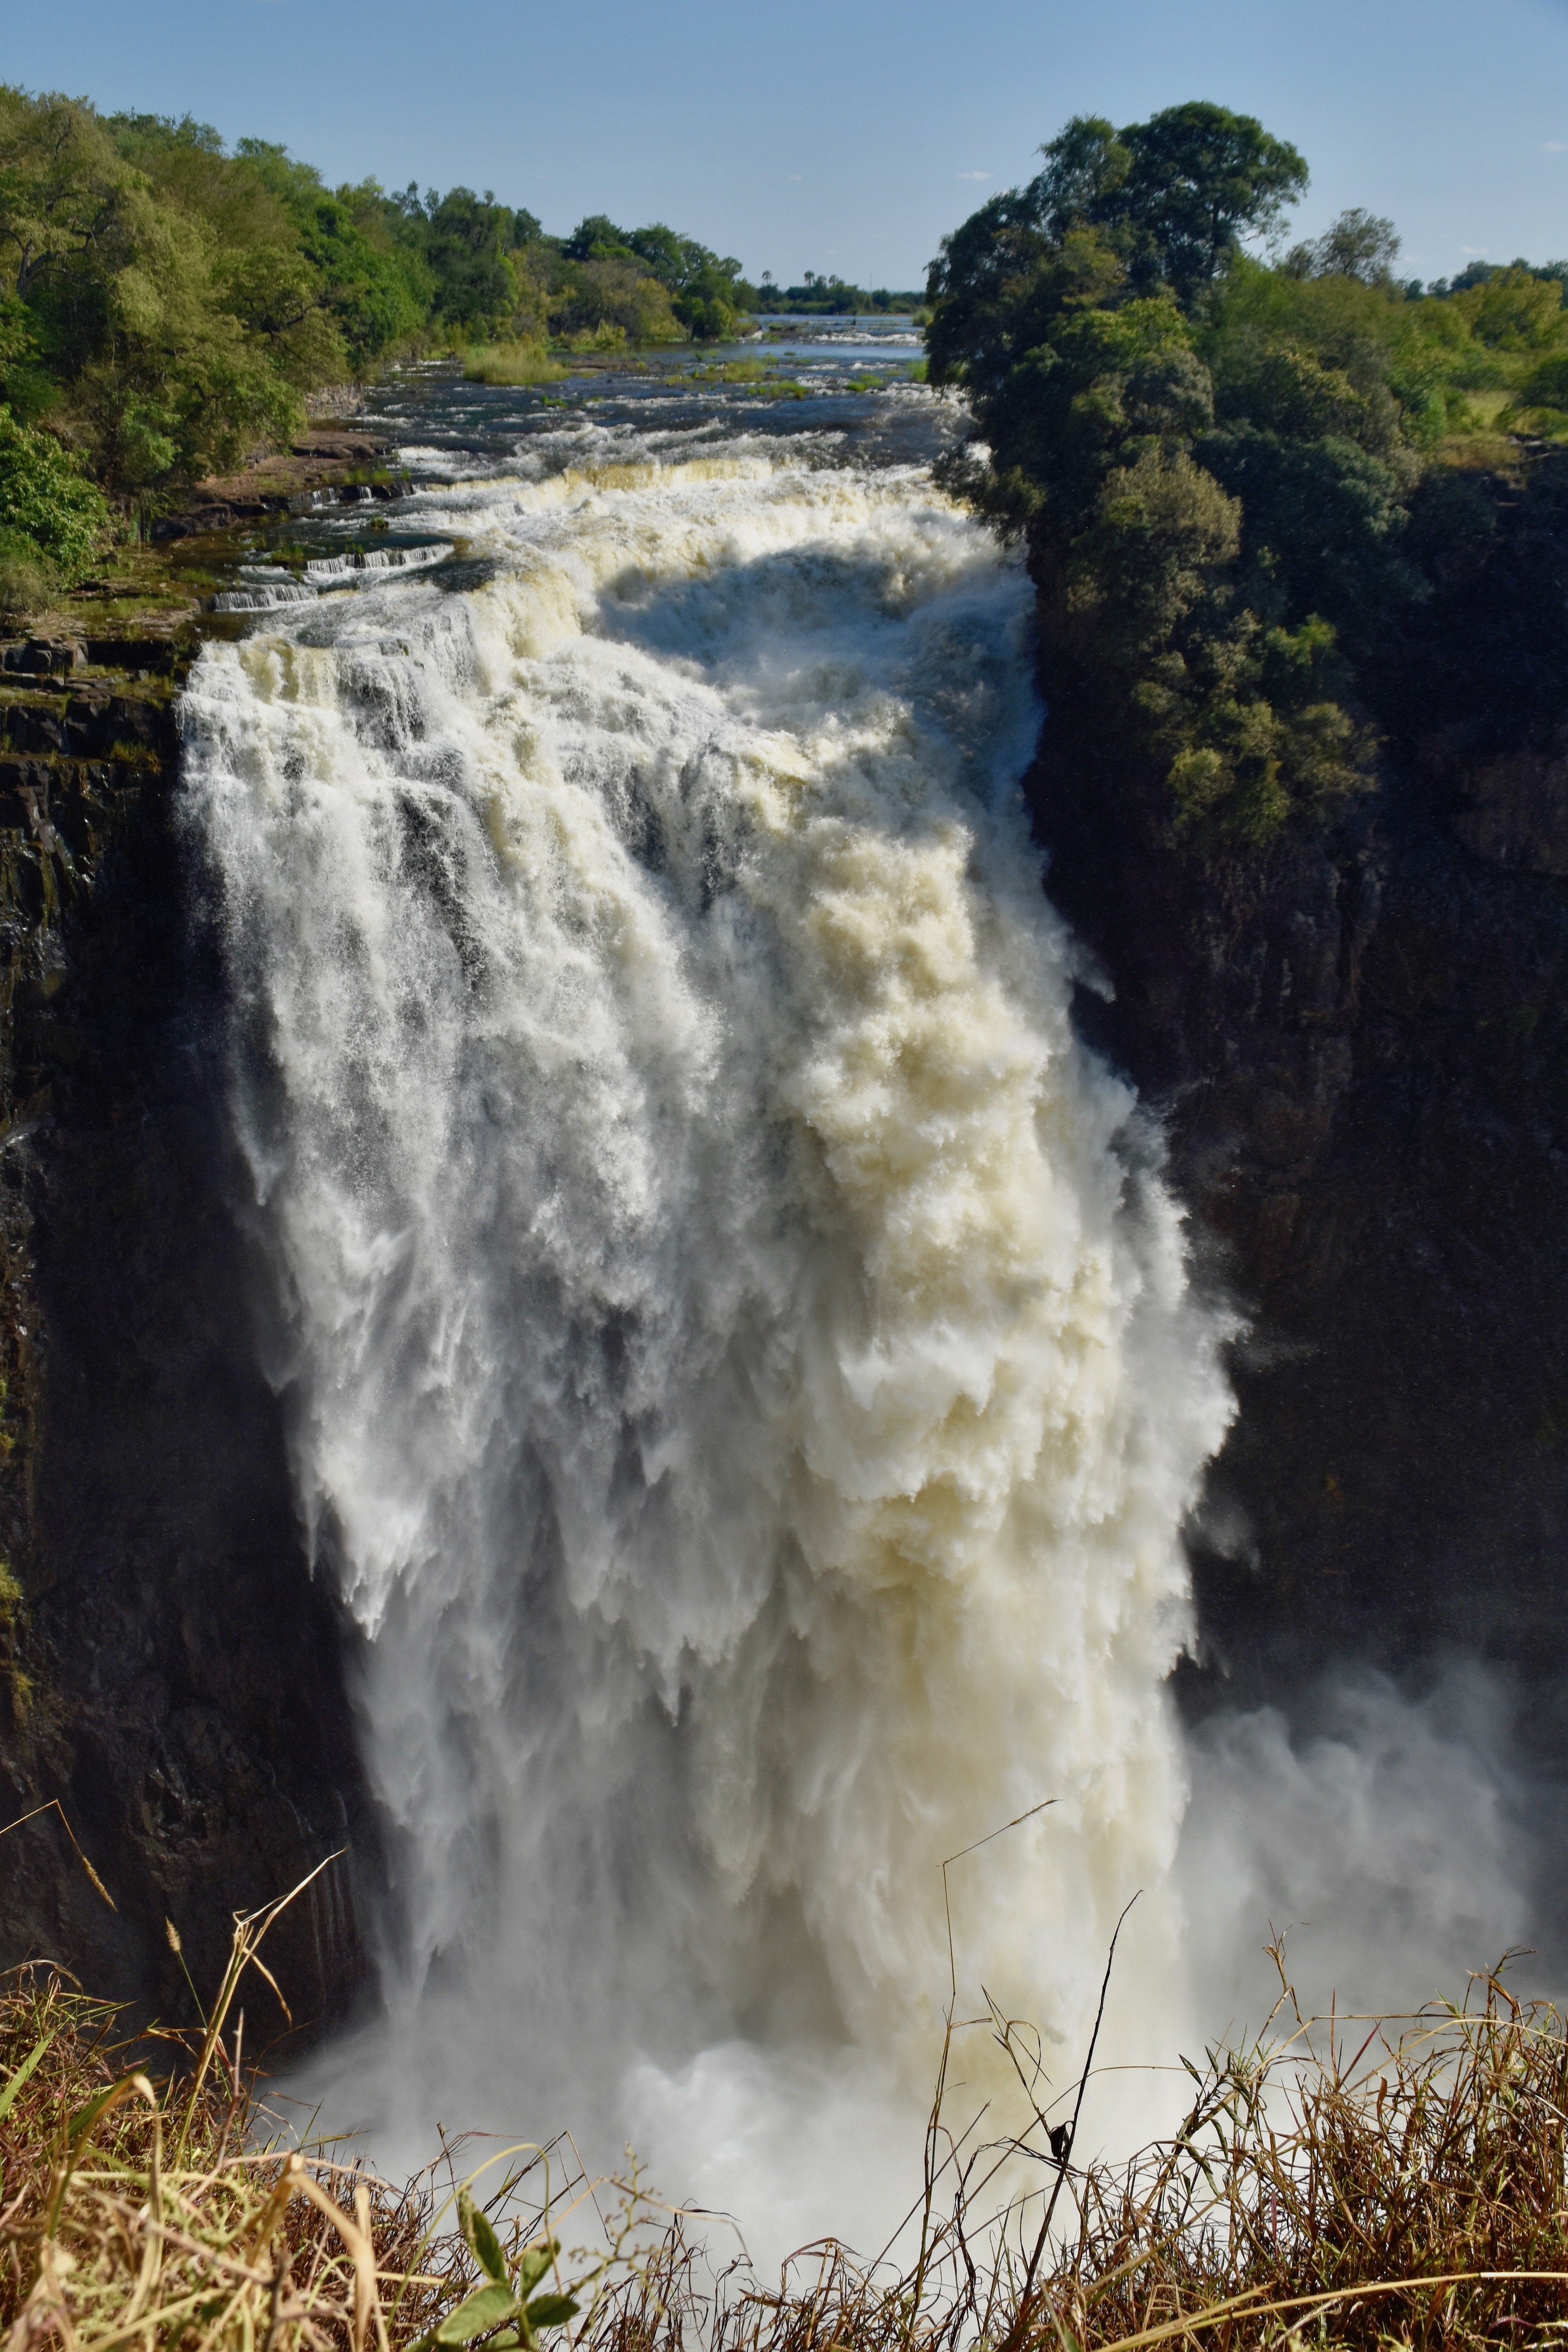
1360,2183
150,2201
1354,2183
1372,2182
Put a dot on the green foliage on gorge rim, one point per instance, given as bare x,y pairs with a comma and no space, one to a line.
1214,462
165,306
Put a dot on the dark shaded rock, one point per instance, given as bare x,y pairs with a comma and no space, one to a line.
1514,811
1360,1043
173,1673
42,656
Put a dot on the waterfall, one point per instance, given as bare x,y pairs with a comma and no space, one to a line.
739,1362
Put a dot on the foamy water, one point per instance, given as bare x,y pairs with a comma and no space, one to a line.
741,1367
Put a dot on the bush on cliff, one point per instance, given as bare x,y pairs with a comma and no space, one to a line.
51,517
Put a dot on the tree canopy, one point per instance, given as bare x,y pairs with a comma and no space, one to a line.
165,303
1213,459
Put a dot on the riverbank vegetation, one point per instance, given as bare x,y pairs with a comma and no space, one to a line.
1240,480
1353,2182
835,297
168,306
519,362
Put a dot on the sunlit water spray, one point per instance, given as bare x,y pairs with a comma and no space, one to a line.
741,1370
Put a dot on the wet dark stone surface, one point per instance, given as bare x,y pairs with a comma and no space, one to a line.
175,1676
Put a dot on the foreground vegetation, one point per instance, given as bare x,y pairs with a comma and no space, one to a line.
1237,480
1357,2183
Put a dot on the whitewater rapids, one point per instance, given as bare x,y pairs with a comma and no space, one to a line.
741,1370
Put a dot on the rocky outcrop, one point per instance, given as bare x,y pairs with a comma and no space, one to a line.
329,465
1359,1040
175,1677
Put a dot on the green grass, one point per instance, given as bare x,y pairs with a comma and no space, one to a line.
750,371
511,364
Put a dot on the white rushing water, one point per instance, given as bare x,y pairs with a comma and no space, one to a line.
741,1370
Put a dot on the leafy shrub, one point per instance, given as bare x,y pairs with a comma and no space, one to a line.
46,501
28,581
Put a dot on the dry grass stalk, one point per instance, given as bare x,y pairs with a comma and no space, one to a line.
1374,2181
136,2214
155,2205
1359,2183
1354,2183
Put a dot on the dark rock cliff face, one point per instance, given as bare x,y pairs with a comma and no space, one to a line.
1360,1043
176,1677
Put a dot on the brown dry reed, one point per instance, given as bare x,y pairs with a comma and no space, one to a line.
1355,2182
160,2204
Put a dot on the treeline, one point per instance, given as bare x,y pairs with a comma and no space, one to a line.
166,305
832,297
1228,473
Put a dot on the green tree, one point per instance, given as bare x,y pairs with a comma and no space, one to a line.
45,499
378,294
1359,244
1201,179
466,246
597,238
1174,195
1207,472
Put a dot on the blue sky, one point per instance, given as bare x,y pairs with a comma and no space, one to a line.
846,135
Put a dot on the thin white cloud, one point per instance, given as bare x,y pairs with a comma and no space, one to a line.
976,175
1556,146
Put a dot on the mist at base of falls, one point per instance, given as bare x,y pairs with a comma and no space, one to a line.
742,1370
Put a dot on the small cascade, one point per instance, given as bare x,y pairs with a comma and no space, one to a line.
268,587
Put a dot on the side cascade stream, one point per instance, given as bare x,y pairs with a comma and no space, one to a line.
742,1373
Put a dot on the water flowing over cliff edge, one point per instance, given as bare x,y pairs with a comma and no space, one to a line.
548,1180
738,1358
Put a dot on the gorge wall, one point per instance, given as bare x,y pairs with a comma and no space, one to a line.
1357,1040
175,1677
